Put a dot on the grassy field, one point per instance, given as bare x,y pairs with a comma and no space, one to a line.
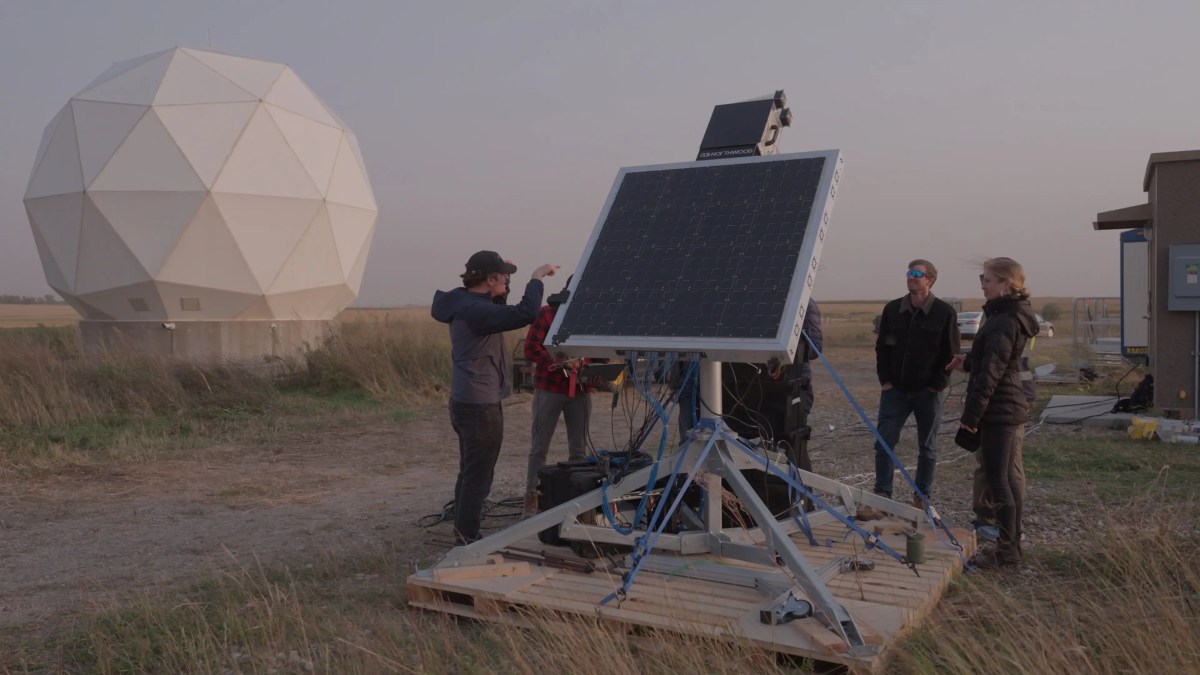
1123,597
27,316
1119,592
20,316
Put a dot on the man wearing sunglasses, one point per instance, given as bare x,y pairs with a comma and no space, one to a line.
918,340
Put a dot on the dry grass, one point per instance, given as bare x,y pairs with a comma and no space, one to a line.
55,401
60,406
1127,603
345,615
400,359
46,382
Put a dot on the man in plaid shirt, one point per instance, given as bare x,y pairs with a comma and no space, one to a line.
555,392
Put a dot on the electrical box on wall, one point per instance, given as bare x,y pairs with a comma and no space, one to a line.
1183,271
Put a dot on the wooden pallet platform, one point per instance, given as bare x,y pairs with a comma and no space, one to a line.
884,602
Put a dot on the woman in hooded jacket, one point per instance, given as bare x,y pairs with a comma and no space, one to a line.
995,405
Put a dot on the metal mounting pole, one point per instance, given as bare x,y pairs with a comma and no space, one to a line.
710,395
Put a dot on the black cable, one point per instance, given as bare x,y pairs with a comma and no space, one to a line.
754,417
447,513
491,509
1117,386
1064,406
1080,419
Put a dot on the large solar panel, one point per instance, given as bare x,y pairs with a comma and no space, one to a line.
716,257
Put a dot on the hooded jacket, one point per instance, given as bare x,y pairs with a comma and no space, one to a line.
994,391
477,325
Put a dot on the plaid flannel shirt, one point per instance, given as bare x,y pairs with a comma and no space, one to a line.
556,381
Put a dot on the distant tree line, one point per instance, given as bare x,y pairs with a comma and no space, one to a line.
47,299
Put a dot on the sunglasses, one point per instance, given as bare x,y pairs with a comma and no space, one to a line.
915,274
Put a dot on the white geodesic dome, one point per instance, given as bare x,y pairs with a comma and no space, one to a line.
193,185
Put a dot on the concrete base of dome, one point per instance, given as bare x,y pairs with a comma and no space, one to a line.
208,341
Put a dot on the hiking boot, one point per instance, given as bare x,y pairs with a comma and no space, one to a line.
986,532
531,505
918,502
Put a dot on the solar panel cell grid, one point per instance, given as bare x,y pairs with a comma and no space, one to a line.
707,251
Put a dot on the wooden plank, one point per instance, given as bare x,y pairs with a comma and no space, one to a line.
789,641
489,606
679,585
910,583
718,591
491,570
874,594
418,594
803,638
895,598
671,603
823,638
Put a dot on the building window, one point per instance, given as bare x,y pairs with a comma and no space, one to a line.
189,304
139,305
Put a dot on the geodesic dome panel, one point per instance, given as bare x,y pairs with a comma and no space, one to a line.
189,184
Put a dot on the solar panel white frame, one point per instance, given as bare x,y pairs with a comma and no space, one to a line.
786,340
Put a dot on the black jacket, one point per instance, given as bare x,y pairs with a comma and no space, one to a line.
756,398
914,346
994,391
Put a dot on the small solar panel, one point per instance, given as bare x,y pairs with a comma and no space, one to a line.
716,257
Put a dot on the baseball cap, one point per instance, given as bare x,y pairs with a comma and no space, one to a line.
489,262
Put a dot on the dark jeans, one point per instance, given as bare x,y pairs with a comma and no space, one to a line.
895,406
480,429
999,446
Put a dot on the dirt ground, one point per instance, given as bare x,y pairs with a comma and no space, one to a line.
73,541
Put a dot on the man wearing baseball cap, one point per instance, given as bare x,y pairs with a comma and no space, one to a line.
478,317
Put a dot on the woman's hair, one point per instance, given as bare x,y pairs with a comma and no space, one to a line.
1009,270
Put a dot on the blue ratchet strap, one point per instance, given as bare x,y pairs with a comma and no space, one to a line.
608,514
801,521
862,414
646,544
950,541
870,539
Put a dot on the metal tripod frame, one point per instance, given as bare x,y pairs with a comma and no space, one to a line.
722,456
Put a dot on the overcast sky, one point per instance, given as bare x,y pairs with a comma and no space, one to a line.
969,129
